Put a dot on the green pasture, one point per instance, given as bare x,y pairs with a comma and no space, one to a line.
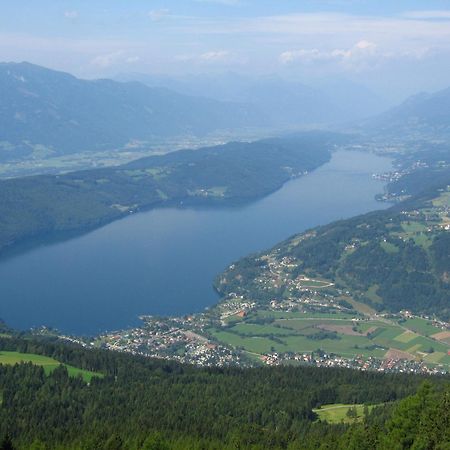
300,315
296,333
413,227
389,248
49,364
337,413
422,326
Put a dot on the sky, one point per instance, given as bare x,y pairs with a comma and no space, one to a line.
396,47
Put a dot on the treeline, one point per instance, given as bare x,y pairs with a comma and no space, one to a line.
144,403
50,206
421,421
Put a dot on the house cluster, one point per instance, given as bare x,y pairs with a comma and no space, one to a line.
172,339
294,293
234,305
321,359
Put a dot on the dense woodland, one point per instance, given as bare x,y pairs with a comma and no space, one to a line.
149,404
50,206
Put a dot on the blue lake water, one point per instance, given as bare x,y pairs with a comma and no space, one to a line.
163,261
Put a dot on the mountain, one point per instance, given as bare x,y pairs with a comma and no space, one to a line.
286,102
354,99
48,113
421,114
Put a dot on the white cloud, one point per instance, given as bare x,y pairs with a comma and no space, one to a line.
321,27
215,55
158,14
290,56
360,49
365,45
323,40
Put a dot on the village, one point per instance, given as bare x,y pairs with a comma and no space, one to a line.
393,365
190,340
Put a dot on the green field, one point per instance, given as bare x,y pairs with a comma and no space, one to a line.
258,345
300,315
332,333
389,248
406,337
49,364
421,326
252,329
337,413
413,227
371,294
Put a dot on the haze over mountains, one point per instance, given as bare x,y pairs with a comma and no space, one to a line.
51,113
427,114
285,102
45,113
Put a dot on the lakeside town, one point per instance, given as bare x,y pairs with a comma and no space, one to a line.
186,340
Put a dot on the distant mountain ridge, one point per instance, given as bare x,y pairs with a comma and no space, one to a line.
55,113
286,102
427,114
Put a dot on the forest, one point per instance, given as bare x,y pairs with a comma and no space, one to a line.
143,403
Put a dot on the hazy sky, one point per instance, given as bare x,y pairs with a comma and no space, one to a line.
388,44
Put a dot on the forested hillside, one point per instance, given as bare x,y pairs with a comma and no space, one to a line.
393,260
49,205
149,404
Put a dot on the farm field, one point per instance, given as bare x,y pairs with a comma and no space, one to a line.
261,314
421,326
49,364
337,413
264,332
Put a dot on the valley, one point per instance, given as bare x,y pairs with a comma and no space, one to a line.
281,308
162,261
224,224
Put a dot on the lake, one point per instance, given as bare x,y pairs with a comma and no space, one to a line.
163,262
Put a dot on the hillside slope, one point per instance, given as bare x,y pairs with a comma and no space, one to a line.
48,113
392,260
422,114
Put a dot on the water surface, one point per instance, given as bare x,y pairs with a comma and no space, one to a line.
163,261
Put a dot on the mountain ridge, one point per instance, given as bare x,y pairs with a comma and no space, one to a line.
50,113
426,114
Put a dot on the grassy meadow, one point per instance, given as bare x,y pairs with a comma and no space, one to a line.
49,364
